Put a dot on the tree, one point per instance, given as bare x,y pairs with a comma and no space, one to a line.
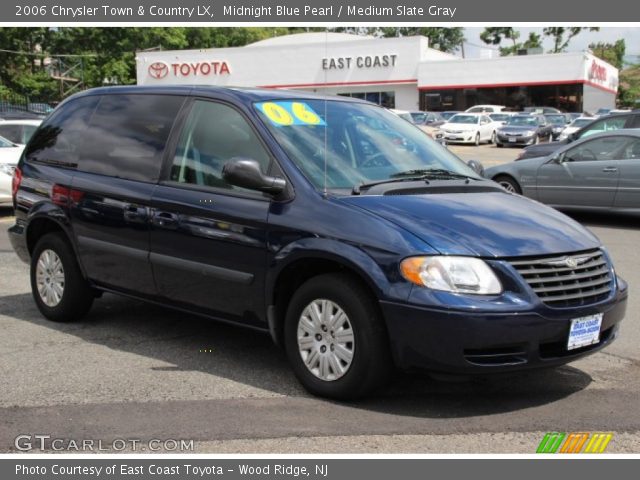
629,88
612,53
443,39
495,35
562,36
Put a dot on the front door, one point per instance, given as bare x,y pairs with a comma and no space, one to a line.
584,175
208,238
628,195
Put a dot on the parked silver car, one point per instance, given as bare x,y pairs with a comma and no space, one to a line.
601,171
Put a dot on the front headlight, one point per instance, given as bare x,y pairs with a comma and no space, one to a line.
7,169
529,133
451,274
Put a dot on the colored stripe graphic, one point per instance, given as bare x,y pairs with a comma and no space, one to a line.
574,442
550,442
598,443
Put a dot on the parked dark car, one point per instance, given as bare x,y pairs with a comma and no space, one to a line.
523,129
598,172
602,124
287,213
558,122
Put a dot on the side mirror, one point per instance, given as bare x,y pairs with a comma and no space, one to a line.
557,159
246,173
476,166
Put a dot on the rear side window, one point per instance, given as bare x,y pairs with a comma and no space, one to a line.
127,135
59,138
635,122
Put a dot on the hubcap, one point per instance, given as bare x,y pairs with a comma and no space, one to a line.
508,187
325,340
50,278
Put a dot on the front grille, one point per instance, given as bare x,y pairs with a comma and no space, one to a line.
568,280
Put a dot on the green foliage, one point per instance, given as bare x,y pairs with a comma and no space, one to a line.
444,39
561,36
612,53
629,88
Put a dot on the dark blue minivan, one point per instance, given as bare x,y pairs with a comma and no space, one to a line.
342,230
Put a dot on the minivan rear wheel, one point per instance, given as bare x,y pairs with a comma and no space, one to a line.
59,289
335,338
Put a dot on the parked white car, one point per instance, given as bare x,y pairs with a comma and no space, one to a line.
485,109
9,156
574,126
470,128
18,131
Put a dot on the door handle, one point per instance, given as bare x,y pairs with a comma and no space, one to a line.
610,169
166,220
135,213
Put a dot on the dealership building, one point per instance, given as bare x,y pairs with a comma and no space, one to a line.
402,73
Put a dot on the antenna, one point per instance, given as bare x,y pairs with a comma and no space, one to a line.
326,120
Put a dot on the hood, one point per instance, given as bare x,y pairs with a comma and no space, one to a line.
486,224
459,126
518,128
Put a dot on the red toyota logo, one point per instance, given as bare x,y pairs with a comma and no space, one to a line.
158,70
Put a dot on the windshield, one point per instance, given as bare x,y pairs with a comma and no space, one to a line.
363,144
4,143
556,119
499,117
581,122
419,117
523,121
464,119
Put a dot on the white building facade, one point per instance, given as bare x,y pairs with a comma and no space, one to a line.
402,73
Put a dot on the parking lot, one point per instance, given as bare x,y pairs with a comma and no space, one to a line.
136,371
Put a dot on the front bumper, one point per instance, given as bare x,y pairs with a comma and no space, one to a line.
468,342
463,137
518,141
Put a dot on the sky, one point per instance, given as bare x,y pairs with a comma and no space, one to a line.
578,43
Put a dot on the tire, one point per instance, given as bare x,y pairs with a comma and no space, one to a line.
493,137
370,363
499,145
537,140
54,260
477,142
508,183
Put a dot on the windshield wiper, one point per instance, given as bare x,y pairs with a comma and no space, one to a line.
364,186
432,172
416,175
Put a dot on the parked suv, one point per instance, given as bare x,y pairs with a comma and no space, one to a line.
352,238
602,124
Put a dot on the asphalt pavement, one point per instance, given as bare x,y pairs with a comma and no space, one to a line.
135,371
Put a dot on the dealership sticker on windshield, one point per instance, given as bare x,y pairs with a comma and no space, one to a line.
584,331
284,114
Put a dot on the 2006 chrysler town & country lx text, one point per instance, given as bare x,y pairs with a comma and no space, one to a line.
344,231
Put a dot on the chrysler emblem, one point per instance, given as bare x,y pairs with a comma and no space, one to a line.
571,262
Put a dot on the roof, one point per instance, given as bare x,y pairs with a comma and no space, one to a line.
307,38
240,93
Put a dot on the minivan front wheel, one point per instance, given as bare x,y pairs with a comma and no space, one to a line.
335,339
59,289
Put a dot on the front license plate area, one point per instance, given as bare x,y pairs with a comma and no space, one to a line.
584,331
513,140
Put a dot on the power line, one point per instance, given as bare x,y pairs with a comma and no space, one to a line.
33,54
